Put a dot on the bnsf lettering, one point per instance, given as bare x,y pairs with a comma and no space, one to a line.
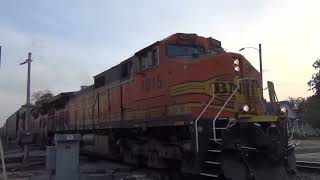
226,88
151,84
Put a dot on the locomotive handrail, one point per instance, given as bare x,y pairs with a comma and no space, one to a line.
224,105
42,126
93,108
289,129
196,121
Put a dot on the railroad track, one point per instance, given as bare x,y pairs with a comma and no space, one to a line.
308,166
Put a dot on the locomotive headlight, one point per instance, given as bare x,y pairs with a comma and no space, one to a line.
236,62
237,68
283,109
257,124
245,108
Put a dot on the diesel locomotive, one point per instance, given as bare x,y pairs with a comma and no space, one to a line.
182,103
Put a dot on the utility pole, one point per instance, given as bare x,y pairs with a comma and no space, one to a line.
260,60
28,61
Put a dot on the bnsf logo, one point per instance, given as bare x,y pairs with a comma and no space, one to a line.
227,88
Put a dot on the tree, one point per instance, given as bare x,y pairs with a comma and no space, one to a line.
41,95
312,110
298,104
307,109
314,83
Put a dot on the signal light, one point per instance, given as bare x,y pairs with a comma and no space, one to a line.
283,110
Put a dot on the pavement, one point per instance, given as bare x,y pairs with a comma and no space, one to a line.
34,169
307,150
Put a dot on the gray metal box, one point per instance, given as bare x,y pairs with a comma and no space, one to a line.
50,157
67,137
67,156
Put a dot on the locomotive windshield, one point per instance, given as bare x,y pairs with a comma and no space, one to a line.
176,51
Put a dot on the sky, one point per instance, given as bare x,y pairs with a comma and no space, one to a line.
71,41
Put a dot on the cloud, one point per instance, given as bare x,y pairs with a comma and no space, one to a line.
57,66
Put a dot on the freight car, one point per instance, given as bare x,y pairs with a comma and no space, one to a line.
14,126
11,127
182,103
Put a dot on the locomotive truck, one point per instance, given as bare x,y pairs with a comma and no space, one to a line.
182,103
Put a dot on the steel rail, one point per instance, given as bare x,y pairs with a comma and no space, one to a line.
308,165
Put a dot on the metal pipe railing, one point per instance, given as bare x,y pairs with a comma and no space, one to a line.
289,129
196,121
224,105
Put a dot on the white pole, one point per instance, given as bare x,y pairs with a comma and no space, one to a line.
2,161
28,91
28,105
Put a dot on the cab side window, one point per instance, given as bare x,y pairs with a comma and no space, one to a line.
126,68
143,62
155,56
149,59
